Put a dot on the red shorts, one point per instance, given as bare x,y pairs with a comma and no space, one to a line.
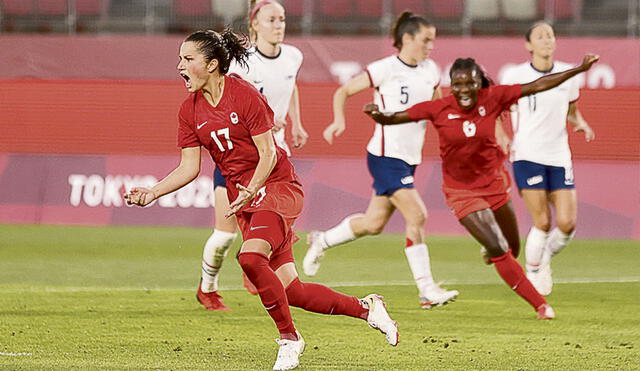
466,201
270,217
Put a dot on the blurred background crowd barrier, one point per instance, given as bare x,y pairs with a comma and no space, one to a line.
312,17
89,96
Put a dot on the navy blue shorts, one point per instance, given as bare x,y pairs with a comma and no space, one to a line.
218,179
531,175
389,174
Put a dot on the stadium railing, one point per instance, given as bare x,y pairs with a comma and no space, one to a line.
362,17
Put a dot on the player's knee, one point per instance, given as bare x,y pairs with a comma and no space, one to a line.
566,225
295,293
249,261
543,223
417,218
375,228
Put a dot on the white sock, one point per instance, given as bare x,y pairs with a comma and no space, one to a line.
214,252
339,234
558,240
534,248
418,258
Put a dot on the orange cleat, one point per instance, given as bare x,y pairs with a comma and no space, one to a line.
211,300
248,285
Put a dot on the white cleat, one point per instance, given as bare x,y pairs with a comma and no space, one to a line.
315,252
379,318
546,282
541,279
436,296
289,353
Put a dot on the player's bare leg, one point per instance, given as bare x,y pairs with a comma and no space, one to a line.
483,226
354,226
410,204
215,250
506,218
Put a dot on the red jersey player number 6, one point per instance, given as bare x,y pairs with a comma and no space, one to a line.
476,183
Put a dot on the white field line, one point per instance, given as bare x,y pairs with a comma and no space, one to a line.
14,354
330,284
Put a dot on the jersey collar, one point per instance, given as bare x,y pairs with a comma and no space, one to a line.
268,57
543,72
406,64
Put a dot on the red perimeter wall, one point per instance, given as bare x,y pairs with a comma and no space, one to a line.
139,117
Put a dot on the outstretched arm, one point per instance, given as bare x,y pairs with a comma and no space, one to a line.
555,79
187,171
395,118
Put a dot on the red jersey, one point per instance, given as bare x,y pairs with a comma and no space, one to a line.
470,155
226,131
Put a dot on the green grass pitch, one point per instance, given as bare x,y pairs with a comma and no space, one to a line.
116,298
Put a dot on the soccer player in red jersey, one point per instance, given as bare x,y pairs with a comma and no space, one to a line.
271,68
232,120
476,182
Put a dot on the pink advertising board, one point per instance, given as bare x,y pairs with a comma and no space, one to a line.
76,189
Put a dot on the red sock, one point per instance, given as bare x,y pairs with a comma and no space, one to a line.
512,273
271,291
321,299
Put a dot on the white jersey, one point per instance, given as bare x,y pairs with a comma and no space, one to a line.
540,120
398,87
275,78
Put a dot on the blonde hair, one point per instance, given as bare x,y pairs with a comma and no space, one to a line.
254,8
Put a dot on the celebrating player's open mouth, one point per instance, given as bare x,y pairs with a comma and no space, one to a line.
464,87
187,79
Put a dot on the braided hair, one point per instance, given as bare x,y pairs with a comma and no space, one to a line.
470,64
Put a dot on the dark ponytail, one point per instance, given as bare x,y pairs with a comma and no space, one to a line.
225,47
470,64
409,23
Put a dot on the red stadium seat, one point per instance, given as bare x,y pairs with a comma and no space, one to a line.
370,8
294,8
192,7
336,8
415,6
52,7
445,9
18,7
562,9
91,7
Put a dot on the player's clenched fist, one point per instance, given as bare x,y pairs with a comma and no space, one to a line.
139,196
